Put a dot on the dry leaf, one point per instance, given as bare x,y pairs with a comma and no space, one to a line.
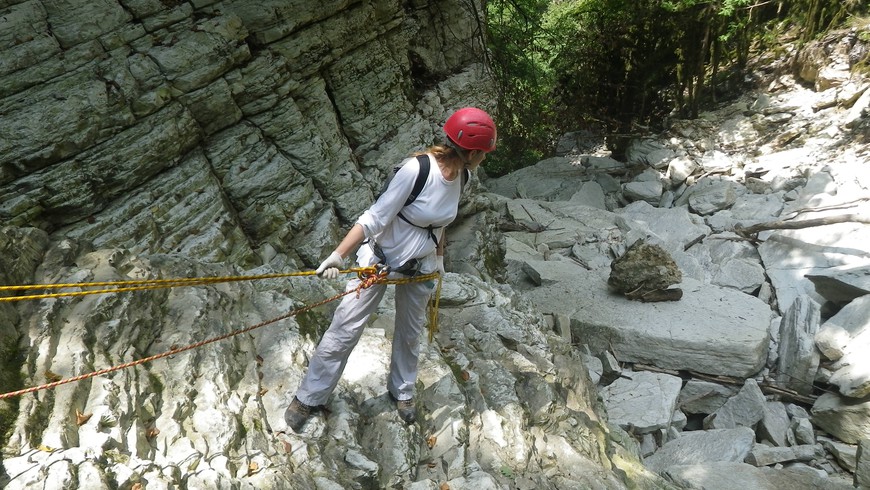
288,448
264,391
431,441
52,377
137,486
445,486
152,433
465,375
82,419
252,468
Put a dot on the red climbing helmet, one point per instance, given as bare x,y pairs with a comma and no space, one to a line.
472,129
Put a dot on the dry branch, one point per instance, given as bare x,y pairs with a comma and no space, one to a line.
796,225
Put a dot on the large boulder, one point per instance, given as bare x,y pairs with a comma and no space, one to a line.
730,339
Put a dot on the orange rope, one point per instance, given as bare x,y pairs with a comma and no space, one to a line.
366,281
368,276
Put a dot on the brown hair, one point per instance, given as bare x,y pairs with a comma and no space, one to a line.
448,154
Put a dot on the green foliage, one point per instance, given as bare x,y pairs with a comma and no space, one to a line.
614,65
519,65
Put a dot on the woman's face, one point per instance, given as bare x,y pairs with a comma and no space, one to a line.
475,158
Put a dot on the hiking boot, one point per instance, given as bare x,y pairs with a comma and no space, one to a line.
297,414
407,409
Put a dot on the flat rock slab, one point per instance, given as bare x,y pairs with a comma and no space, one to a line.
703,447
642,401
728,476
712,330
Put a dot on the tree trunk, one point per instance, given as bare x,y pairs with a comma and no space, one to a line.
702,57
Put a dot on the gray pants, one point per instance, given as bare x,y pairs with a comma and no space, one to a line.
344,332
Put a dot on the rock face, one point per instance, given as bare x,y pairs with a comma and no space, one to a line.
211,128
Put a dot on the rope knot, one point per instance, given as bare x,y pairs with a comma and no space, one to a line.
370,276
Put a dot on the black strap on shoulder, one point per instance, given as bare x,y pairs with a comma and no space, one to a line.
418,187
422,176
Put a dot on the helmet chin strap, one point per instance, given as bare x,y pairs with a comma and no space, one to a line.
464,155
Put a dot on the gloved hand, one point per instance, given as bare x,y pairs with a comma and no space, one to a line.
439,261
329,268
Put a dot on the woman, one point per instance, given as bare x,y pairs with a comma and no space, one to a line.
408,238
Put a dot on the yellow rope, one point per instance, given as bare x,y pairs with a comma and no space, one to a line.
433,311
145,284
156,281
368,276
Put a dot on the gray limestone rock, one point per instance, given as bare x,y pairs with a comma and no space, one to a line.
206,138
704,397
648,152
862,464
838,333
790,256
845,454
851,371
847,419
713,197
702,448
730,339
648,190
556,178
745,409
729,475
675,227
741,274
680,168
774,424
642,402
798,356
757,208
842,285
716,161
762,455
804,432
590,194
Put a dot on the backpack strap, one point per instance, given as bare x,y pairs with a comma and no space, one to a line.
422,176
418,187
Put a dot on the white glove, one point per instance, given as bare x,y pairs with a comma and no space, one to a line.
439,264
329,268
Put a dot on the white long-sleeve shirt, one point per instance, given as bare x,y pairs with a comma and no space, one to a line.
436,205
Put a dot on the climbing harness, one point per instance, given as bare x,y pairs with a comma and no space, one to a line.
368,277
411,268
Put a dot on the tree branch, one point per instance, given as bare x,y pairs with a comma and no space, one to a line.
796,225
